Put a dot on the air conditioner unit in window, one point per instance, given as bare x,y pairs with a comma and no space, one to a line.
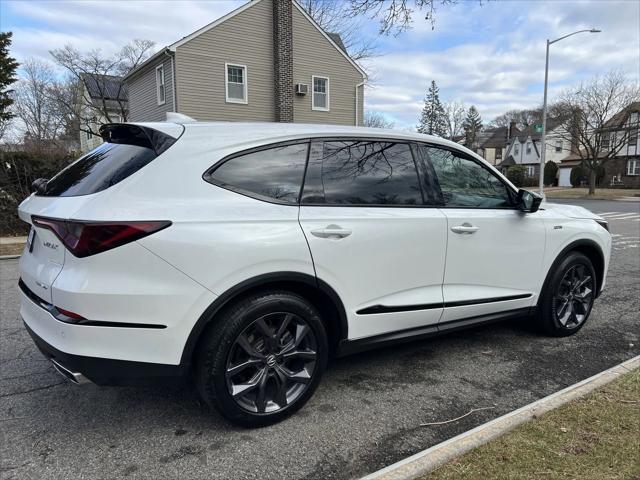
302,88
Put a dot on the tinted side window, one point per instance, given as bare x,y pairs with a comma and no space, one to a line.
465,183
362,172
271,174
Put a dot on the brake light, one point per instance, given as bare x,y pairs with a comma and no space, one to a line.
83,239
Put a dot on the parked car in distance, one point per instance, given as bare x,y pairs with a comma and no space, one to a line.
246,255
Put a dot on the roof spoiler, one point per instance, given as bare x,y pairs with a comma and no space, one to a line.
130,134
175,117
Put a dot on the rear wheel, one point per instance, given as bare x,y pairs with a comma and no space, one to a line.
263,358
568,296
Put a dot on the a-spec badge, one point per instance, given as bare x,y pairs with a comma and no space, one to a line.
53,246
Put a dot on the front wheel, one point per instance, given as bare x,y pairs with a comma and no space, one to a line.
568,296
262,359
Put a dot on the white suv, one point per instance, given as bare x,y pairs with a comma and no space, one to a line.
248,254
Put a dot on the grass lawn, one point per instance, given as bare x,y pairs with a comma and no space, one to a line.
601,193
594,438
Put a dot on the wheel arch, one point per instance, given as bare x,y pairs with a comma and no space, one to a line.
316,291
591,250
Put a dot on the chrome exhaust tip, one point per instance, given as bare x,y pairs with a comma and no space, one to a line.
74,377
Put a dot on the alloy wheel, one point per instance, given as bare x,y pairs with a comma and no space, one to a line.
574,296
271,363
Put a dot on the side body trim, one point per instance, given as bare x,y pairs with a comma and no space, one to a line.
348,347
428,306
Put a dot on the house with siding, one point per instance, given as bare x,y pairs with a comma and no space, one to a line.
493,142
525,148
266,61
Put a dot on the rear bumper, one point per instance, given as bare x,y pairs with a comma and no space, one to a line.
107,371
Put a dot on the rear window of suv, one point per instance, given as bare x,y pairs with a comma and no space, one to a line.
126,150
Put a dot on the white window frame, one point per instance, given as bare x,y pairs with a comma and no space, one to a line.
531,171
164,86
313,93
245,77
558,147
632,172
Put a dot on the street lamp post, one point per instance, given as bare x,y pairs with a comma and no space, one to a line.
543,143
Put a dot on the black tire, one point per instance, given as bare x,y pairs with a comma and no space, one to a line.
223,350
560,290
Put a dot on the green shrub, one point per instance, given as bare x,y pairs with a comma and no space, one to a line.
17,171
550,172
578,176
516,174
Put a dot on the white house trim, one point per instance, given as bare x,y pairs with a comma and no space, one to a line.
163,84
313,93
245,84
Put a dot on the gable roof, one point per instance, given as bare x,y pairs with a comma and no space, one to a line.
621,117
108,87
333,38
498,137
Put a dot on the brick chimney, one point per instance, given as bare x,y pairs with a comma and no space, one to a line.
512,127
283,59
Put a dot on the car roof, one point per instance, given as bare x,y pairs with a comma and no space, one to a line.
235,133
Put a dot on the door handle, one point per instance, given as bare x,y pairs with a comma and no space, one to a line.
465,228
331,231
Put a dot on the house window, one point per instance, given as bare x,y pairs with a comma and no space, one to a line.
498,154
320,96
528,148
531,171
633,136
633,167
558,146
236,83
516,149
160,89
633,118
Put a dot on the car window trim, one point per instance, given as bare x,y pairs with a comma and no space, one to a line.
510,191
207,175
407,142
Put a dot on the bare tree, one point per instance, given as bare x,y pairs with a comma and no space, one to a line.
334,16
396,16
377,120
34,106
526,117
597,120
454,115
106,98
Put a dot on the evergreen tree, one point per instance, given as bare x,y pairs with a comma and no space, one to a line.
8,67
472,126
432,119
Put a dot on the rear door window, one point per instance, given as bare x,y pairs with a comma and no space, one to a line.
126,150
362,172
273,174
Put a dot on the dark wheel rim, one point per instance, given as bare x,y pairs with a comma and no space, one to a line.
271,363
574,296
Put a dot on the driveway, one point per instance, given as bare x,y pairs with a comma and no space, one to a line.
365,415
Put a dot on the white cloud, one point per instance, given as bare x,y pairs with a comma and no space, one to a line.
489,54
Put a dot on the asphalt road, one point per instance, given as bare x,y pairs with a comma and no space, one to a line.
365,415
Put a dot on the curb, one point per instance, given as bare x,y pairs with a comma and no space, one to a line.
8,257
431,458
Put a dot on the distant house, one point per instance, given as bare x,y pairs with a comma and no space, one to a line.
493,142
623,169
525,148
100,93
266,61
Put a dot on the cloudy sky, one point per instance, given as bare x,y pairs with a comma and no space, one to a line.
489,53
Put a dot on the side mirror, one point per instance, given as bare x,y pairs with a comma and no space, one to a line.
39,185
528,202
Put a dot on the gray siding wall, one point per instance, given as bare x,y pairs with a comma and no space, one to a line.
313,54
143,100
245,39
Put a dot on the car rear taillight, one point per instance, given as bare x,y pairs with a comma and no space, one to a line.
83,238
